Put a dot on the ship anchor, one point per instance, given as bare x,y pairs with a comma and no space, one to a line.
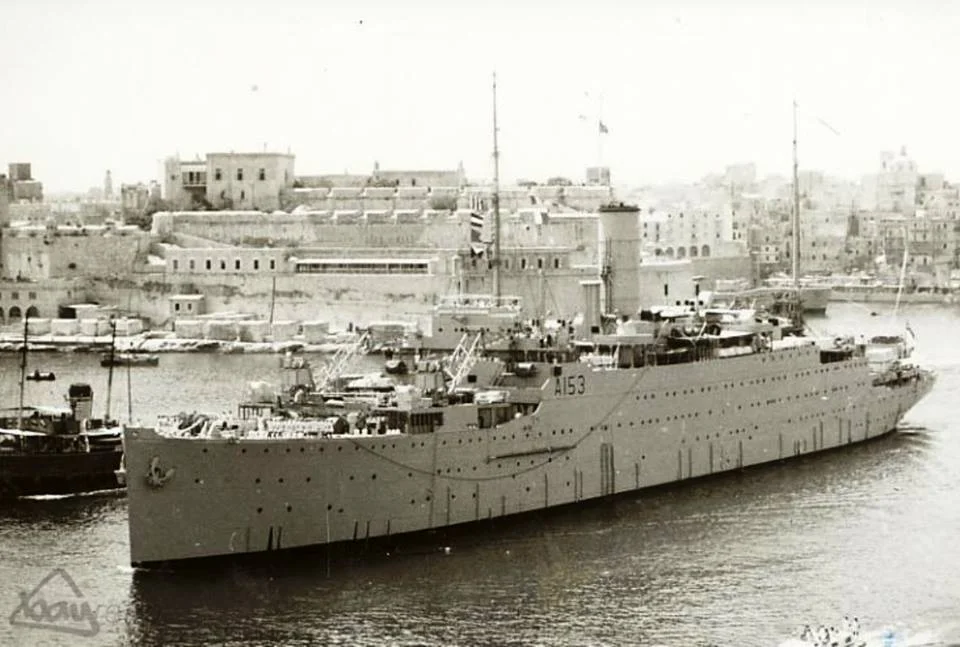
156,475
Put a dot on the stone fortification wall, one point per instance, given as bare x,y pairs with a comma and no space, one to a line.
339,299
311,229
556,291
398,229
70,252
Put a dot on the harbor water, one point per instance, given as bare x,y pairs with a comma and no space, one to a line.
743,559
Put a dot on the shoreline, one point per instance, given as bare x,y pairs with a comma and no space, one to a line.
151,343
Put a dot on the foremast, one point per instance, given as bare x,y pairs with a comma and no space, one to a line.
796,207
495,261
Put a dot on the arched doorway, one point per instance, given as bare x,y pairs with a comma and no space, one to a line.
681,252
693,251
15,314
669,252
33,312
705,251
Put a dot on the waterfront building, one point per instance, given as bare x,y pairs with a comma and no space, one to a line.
228,181
894,187
20,184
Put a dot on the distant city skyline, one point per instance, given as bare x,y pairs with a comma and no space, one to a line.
683,91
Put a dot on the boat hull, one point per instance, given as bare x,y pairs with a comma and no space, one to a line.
58,473
813,299
887,295
628,430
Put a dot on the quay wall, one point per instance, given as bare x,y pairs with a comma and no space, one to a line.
337,298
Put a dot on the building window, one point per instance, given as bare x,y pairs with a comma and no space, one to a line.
523,263
189,306
262,175
176,265
236,264
176,307
32,295
273,264
209,264
192,265
15,296
223,264
243,195
556,263
539,263
240,174
218,174
256,264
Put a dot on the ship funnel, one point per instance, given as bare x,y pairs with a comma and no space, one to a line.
81,401
590,291
620,259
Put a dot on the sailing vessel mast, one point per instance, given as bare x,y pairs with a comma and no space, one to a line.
796,205
495,261
23,372
113,356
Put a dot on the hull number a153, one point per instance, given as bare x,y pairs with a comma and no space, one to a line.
570,385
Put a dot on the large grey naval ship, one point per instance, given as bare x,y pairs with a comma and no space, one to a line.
513,421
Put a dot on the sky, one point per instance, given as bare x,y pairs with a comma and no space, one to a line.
684,88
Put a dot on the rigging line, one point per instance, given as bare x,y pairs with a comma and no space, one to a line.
560,451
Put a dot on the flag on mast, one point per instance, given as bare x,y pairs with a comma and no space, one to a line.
476,227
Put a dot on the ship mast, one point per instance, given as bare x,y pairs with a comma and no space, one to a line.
23,372
495,261
796,205
113,351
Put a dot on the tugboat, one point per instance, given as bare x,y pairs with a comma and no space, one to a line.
57,450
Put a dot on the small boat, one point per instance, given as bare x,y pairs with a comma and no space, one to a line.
846,636
129,359
41,376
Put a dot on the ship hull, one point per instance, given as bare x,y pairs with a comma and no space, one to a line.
628,430
58,473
